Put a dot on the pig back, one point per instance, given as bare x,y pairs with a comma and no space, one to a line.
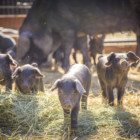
102,60
80,72
102,68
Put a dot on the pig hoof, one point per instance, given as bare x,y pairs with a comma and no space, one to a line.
111,104
84,106
73,131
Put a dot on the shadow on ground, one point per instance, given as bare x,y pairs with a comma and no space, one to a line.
129,126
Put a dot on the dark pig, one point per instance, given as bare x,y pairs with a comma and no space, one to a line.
96,45
5,72
28,79
80,44
67,18
7,45
73,87
58,56
112,72
31,46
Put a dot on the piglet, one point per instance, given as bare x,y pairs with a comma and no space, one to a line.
5,72
73,87
28,79
112,72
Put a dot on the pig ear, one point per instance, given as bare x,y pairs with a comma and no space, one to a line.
55,85
110,58
38,74
16,72
132,57
100,56
11,60
135,64
35,65
79,87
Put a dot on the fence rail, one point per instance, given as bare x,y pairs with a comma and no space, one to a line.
120,40
13,7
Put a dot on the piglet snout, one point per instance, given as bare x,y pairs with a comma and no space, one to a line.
25,86
67,105
124,64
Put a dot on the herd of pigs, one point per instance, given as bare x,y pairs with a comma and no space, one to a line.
55,26
74,86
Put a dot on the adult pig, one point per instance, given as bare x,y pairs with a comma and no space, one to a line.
28,79
112,72
96,45
7,45
80,44
72,87
71,17
5,72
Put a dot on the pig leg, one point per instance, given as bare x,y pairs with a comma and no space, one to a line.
82,44
84,98
94,60
41,86
104,92
68,41
84,101
66,118
138,45
120,95
65,64
85,57
74,56
110,96
74,116
9,85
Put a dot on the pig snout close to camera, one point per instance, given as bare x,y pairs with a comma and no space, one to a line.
6,61
28,79
73,87
112,72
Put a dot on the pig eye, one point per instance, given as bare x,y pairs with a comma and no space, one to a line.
74,92
116,60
